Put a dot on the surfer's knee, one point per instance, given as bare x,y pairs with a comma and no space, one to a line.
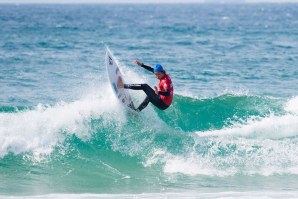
145,86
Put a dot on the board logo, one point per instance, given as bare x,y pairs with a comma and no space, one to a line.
110,61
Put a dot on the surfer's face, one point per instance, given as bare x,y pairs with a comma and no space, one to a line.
159,75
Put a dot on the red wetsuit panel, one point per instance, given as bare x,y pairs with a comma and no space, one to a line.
166,84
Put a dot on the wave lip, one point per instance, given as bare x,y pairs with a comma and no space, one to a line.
273,127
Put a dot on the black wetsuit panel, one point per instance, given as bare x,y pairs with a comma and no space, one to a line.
151,96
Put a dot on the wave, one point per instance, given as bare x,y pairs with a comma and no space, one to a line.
223,136
41,128
190,114
264,143
276,125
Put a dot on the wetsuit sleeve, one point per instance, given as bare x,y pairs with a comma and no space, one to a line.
147,67
164,93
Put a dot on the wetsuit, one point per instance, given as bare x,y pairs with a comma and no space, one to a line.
163,99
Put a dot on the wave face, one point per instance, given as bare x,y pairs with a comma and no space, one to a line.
90,146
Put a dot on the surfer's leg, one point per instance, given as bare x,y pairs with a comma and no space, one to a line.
158,102
143,105
147,89
135,86
151,96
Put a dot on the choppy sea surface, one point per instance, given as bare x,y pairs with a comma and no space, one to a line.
231,132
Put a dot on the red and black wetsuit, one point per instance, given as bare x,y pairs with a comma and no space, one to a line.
163,99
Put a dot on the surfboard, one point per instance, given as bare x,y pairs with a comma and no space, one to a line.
115,77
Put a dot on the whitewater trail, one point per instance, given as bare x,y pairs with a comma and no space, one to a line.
260,145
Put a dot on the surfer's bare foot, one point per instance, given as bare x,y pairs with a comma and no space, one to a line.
120,83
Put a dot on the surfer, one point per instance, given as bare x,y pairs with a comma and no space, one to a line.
162,96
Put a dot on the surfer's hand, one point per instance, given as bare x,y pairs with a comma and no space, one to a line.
156,90
138,62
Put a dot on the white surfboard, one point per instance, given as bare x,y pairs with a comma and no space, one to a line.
115,76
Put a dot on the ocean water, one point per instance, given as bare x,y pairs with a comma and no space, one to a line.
232,131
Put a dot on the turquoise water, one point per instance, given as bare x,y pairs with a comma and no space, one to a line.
232,131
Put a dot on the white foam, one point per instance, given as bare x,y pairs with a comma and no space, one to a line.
177,195
274,127
292,105
42,128
264,146
226,156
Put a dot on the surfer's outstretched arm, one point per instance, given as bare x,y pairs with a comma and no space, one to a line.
149,68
